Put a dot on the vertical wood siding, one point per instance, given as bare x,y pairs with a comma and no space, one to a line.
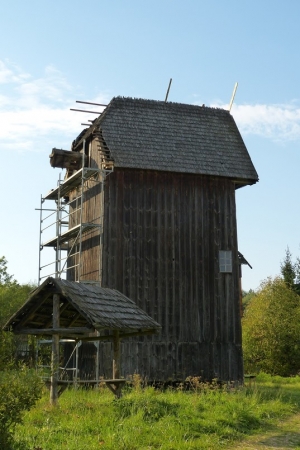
161,239
92,212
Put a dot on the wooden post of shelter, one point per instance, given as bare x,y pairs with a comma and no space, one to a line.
55,352
116,360
116,384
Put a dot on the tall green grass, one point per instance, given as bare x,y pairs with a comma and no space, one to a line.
206,417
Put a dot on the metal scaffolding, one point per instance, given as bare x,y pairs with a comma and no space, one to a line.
65,223
70,371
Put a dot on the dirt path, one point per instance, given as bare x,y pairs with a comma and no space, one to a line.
284,436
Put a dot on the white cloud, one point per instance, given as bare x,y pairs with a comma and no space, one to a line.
51,88
35,112
11,73
276,122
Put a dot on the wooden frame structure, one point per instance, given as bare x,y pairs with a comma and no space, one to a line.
82,312
169,213
156,230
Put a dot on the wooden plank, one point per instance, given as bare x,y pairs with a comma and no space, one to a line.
162,234
116,361
121,335
29,316
115,386
65,159
72,382
54,331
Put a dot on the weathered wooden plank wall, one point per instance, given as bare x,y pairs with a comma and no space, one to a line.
162,236
92,212
162,233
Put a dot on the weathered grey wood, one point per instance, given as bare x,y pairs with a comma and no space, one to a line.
65,159
62,309
115,386
121,336
116,360
32,312
53,331
167,210
85,308
162,236
55,352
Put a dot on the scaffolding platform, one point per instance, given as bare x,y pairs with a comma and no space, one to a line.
70,234
71,183
64,226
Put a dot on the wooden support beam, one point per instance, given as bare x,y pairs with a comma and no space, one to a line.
74,320
116,360
62,309
54,331
29,316
121,336
55,352
115,386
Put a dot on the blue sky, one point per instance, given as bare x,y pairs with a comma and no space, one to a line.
53,53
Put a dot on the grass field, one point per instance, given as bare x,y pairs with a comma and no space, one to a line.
205,417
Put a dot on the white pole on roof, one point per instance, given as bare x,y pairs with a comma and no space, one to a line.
233,95
167,94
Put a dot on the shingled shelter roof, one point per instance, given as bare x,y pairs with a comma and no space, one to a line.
84,308
165,136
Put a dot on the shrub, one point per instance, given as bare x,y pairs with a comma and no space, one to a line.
19,391
7,350
271,330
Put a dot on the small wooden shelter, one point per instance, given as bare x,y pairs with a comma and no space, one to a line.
62,308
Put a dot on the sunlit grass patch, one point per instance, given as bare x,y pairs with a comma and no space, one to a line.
145,419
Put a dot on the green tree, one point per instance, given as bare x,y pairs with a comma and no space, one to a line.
12,296
19,387
5,278
290,271
271,330
247,297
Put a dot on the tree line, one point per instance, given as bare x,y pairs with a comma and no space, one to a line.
271,323
20,386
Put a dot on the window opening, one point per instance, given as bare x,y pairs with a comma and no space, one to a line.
225,261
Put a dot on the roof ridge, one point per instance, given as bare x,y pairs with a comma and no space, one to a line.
163,102
173,137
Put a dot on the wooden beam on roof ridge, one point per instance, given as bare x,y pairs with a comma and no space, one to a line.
61,311
90,103
167,94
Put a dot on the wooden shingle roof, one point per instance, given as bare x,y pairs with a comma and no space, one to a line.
88,307
155,135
